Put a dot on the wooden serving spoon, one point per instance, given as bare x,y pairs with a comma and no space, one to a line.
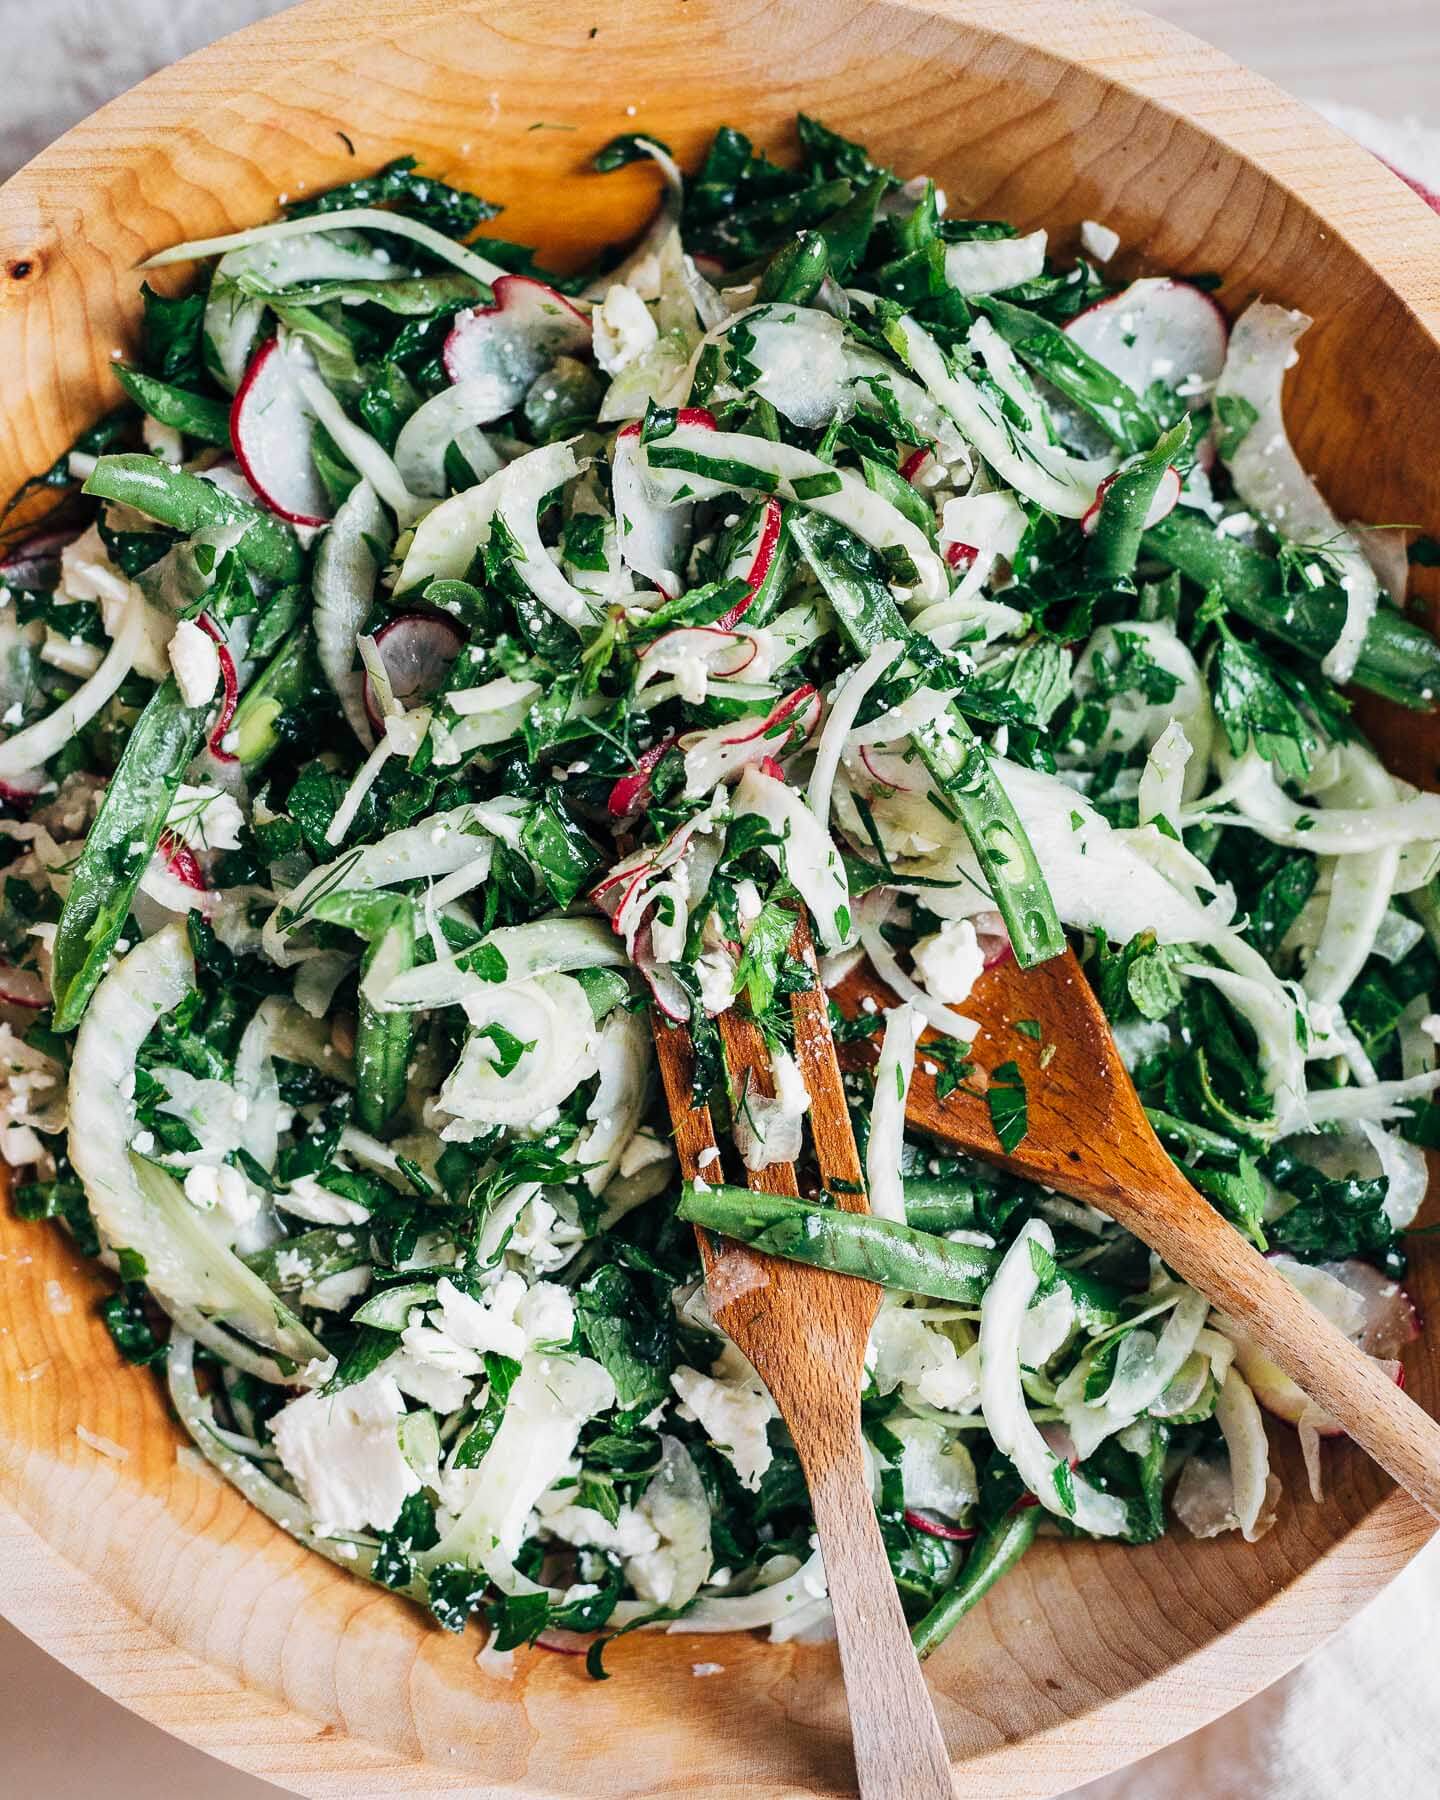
1088,1137
805,1331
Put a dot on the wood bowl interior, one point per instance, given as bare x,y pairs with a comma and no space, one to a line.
166,1588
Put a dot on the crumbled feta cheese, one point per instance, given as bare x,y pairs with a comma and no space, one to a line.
733,1407
508,1320
333,1293
222,1189
19,1145
306,1199
702,1669
342,1452
716,972
195,658
624,330
1098,240
205,818
768,1131
949,962
643,1150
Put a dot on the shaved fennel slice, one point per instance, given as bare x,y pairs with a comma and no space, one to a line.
1249,785
33,747
446,418
550,1018
542,947
1002,1397
362,451
807,854
1360,889
1270,479
623,1053
349,218
845,704
346,572
903,1026
1039,470
137,1205
991,265
777,468
1237,1413
552,1398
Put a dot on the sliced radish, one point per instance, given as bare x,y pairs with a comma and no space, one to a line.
230,690
697,648
568,1643
22,788
754,560
628,794
35,561
273,430
888,770
1373,1311
724,750
1156,330
938,1527
508,344
960,556
993,938
23,987
181,861
916,463
1167,498
417,649
767,765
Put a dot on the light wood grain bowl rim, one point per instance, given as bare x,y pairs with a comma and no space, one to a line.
1349,195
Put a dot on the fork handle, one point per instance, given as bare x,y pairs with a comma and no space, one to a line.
899,1751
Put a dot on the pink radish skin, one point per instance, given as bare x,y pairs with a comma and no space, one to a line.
1155,331
1167,498
181,861
993,938
417,648
32,561
954,1534
230,690
882,766
710,641
803,696
23,988
22,791
516,339
960,556
630,790
754,576
272,430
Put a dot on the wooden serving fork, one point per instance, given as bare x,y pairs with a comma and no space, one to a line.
805,1331
1089,1137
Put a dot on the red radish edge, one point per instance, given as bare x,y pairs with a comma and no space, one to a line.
23,987
1174,281
630,790
960,556
503,287
955,1534
767,765
915,462
700,416
230,685
1168,491
237,413
15,792
781,711
760,567
897,787
180,860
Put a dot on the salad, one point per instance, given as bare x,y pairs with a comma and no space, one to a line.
444,665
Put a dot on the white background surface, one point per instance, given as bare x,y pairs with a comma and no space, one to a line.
1363,1716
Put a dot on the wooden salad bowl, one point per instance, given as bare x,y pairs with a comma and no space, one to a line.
163,1586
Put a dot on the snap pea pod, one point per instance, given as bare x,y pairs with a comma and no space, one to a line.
384,1041
796,272
1053,353
119,845
1125,499
954,756
194,414
284,681
186,503
1398,659
858,1244
994,1553
938,1203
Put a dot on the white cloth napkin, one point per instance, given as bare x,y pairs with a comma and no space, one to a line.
1363,1715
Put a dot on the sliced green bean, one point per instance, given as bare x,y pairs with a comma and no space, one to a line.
1398,659
119,845
955,757
195,414
857,1244
994,1553
384,1041
1125,499
1053,353
186,503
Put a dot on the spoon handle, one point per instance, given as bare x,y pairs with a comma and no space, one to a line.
899,1752
1209,1253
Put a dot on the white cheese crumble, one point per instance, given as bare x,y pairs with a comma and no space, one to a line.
1098,240
624,330
950,961
733,1407
195,658
342,1452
